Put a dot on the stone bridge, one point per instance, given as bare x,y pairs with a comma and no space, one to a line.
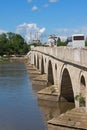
66,68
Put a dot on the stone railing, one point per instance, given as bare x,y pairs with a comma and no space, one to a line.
75,55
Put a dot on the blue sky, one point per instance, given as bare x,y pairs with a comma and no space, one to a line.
43,17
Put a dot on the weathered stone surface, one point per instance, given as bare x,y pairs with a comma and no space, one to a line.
40,81
33,73
73,119
48,97
52,127
68,72
41,78
65,67
47,94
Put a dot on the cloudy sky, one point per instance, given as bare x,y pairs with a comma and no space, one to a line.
39,18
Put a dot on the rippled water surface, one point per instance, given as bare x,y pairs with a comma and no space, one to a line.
19,108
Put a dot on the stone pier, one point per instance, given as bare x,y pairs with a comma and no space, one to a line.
69,76
75,119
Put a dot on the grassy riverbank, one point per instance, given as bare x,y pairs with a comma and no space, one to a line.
12,59
4,59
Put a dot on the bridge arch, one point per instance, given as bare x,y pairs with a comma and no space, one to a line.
66,88
50,74
35,60
55,72
82,90
83,81
42,66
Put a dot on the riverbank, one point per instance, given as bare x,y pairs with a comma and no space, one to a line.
4,59
17,59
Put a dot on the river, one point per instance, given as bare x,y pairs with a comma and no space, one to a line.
20,109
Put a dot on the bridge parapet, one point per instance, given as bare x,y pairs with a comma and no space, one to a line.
76,55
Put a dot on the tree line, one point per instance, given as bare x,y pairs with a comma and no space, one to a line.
12,44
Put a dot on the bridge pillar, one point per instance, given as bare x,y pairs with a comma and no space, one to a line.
40,57
55,75
45,63
32,59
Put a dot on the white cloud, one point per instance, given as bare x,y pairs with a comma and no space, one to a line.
42,30
52,1
46,5
2,31
29,1
30,31
34,8
69,32
63,38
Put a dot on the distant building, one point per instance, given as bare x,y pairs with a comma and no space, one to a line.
52,40
36,41
76,40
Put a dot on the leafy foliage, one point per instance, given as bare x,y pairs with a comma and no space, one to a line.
86,43
61,43
11,43
81,99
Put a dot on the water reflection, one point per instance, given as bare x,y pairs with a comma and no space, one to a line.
53,109
18,105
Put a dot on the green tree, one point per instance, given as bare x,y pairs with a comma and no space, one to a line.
3,44
11,43
61,43
86,42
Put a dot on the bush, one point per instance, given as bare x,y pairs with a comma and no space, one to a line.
81,99
52,89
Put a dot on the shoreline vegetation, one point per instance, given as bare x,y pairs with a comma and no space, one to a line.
6,59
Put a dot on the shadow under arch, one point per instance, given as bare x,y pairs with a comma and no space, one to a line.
82,81
66,87
42,66
82,91
35,60
50,74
